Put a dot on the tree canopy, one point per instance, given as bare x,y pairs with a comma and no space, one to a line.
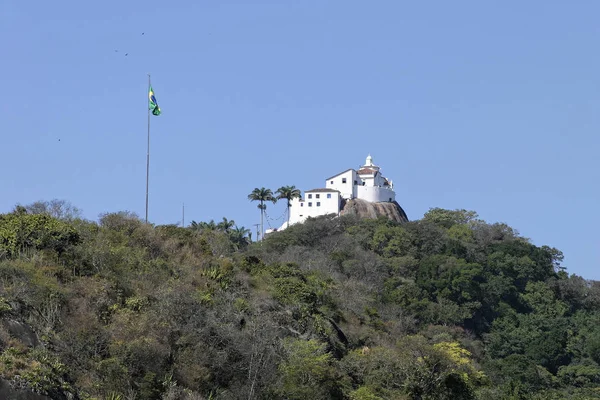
446,307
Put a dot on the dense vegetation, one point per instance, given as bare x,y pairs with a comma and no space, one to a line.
446,307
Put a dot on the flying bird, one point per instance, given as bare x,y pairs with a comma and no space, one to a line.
126,54
142,33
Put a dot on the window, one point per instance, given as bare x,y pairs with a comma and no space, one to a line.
318,204
328,195
331,182
356,182
301,204
309,204
390,199
317,196
310,196
343,180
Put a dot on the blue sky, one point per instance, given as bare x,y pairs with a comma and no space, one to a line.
488,106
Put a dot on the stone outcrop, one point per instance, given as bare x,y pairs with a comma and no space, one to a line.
7,392
22,332
365,209
18,388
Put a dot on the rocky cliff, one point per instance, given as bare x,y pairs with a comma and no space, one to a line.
365,209
16,387
8,392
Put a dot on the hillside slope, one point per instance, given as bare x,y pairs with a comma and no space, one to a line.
445,307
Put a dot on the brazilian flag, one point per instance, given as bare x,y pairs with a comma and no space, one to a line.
152,104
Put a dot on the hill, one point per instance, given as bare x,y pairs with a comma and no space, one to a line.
445,307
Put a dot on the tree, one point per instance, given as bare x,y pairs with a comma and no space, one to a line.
288,193
225,225
203,226
240,236
59,209
21,231
262,195
447,218
336,307
307,371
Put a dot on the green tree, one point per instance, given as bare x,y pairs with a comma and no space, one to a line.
203,226
447,218
583,373
262,195
452,278
139,311
20,231
519,374
289,193
226,225
59,209
240,236
307,372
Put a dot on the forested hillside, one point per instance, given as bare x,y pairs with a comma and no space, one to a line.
446,307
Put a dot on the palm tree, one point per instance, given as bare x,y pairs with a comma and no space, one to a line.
240,236
262,195
288,193
209,226
225,225
202,226
195,226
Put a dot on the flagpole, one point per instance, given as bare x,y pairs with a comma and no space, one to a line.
148,155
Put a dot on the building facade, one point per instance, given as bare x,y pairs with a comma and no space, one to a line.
367,183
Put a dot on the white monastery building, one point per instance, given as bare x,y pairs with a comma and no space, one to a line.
366,184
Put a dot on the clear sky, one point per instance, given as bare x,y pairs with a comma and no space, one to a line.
488,106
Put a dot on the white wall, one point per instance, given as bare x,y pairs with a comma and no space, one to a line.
379,180
347,189
296,211
375,194
300,209
367,180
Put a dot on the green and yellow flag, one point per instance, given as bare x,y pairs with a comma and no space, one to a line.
152,104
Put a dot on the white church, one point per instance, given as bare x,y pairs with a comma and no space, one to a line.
366,184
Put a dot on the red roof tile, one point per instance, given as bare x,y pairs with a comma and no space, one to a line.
365,171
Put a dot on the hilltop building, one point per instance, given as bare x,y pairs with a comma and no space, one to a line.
367,183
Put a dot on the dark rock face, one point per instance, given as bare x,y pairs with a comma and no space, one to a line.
17,388
365,209
22,332
7,392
